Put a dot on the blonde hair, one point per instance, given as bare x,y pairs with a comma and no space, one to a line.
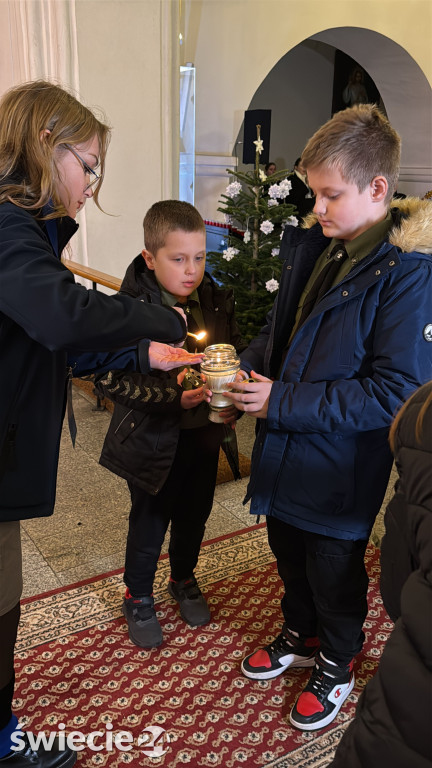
166,216
419,423
28,170
360,143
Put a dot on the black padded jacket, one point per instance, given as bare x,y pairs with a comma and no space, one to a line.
142,439
392,725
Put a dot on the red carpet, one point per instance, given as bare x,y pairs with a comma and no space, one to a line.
77,666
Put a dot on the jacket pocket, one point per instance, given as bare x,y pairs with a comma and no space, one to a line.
318,474
128,424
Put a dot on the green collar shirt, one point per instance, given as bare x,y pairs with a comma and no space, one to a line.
357,250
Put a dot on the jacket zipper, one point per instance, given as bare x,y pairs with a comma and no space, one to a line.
8,455
126,416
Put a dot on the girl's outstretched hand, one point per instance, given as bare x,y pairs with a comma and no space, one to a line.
164,357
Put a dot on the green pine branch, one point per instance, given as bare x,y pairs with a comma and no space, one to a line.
253,263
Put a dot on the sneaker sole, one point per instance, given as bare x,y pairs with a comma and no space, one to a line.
298,662
135,642
326,720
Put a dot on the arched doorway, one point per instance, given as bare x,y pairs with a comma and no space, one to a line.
299,91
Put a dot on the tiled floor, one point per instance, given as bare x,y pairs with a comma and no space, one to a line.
86,535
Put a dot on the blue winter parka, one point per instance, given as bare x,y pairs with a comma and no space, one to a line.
321,459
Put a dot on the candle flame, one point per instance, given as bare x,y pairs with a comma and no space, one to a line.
198,336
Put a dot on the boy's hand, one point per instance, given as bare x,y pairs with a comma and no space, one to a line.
190,397
229,415
251,397
164,357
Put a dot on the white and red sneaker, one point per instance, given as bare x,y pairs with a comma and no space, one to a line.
326,691
287,650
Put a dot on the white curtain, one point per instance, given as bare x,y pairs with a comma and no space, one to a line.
38,40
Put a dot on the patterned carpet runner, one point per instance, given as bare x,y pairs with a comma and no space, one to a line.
185,703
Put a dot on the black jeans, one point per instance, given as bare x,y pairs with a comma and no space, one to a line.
326,586
8,633
185,500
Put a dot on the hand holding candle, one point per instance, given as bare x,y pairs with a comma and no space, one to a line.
251,396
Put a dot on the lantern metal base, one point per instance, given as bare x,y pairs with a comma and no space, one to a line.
215,416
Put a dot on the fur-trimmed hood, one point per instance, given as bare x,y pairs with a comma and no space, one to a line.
413,230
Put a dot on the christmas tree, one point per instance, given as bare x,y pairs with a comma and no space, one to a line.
256,207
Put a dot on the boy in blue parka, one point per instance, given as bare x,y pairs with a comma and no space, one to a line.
348,340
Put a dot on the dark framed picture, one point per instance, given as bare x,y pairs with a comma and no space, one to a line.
352,84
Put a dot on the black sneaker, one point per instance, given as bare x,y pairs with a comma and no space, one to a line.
27,757
287,650
323,696
193,607
144,628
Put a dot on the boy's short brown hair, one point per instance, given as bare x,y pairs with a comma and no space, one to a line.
360,143
165,217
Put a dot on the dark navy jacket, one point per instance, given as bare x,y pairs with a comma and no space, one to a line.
321,460
43,315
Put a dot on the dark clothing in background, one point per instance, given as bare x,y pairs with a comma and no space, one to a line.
298,196
393,722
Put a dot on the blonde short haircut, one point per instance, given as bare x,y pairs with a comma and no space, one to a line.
360,143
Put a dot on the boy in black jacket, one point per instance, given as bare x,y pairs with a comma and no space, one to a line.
160,439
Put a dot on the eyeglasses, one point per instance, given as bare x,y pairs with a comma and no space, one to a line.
95,177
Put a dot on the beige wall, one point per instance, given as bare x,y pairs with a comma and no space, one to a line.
235,43
128,54
128,66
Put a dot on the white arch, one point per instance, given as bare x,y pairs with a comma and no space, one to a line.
404,88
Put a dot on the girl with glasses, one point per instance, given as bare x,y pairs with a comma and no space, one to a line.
52,159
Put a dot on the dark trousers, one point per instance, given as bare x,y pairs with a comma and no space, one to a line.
8,633
325,584
185,500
